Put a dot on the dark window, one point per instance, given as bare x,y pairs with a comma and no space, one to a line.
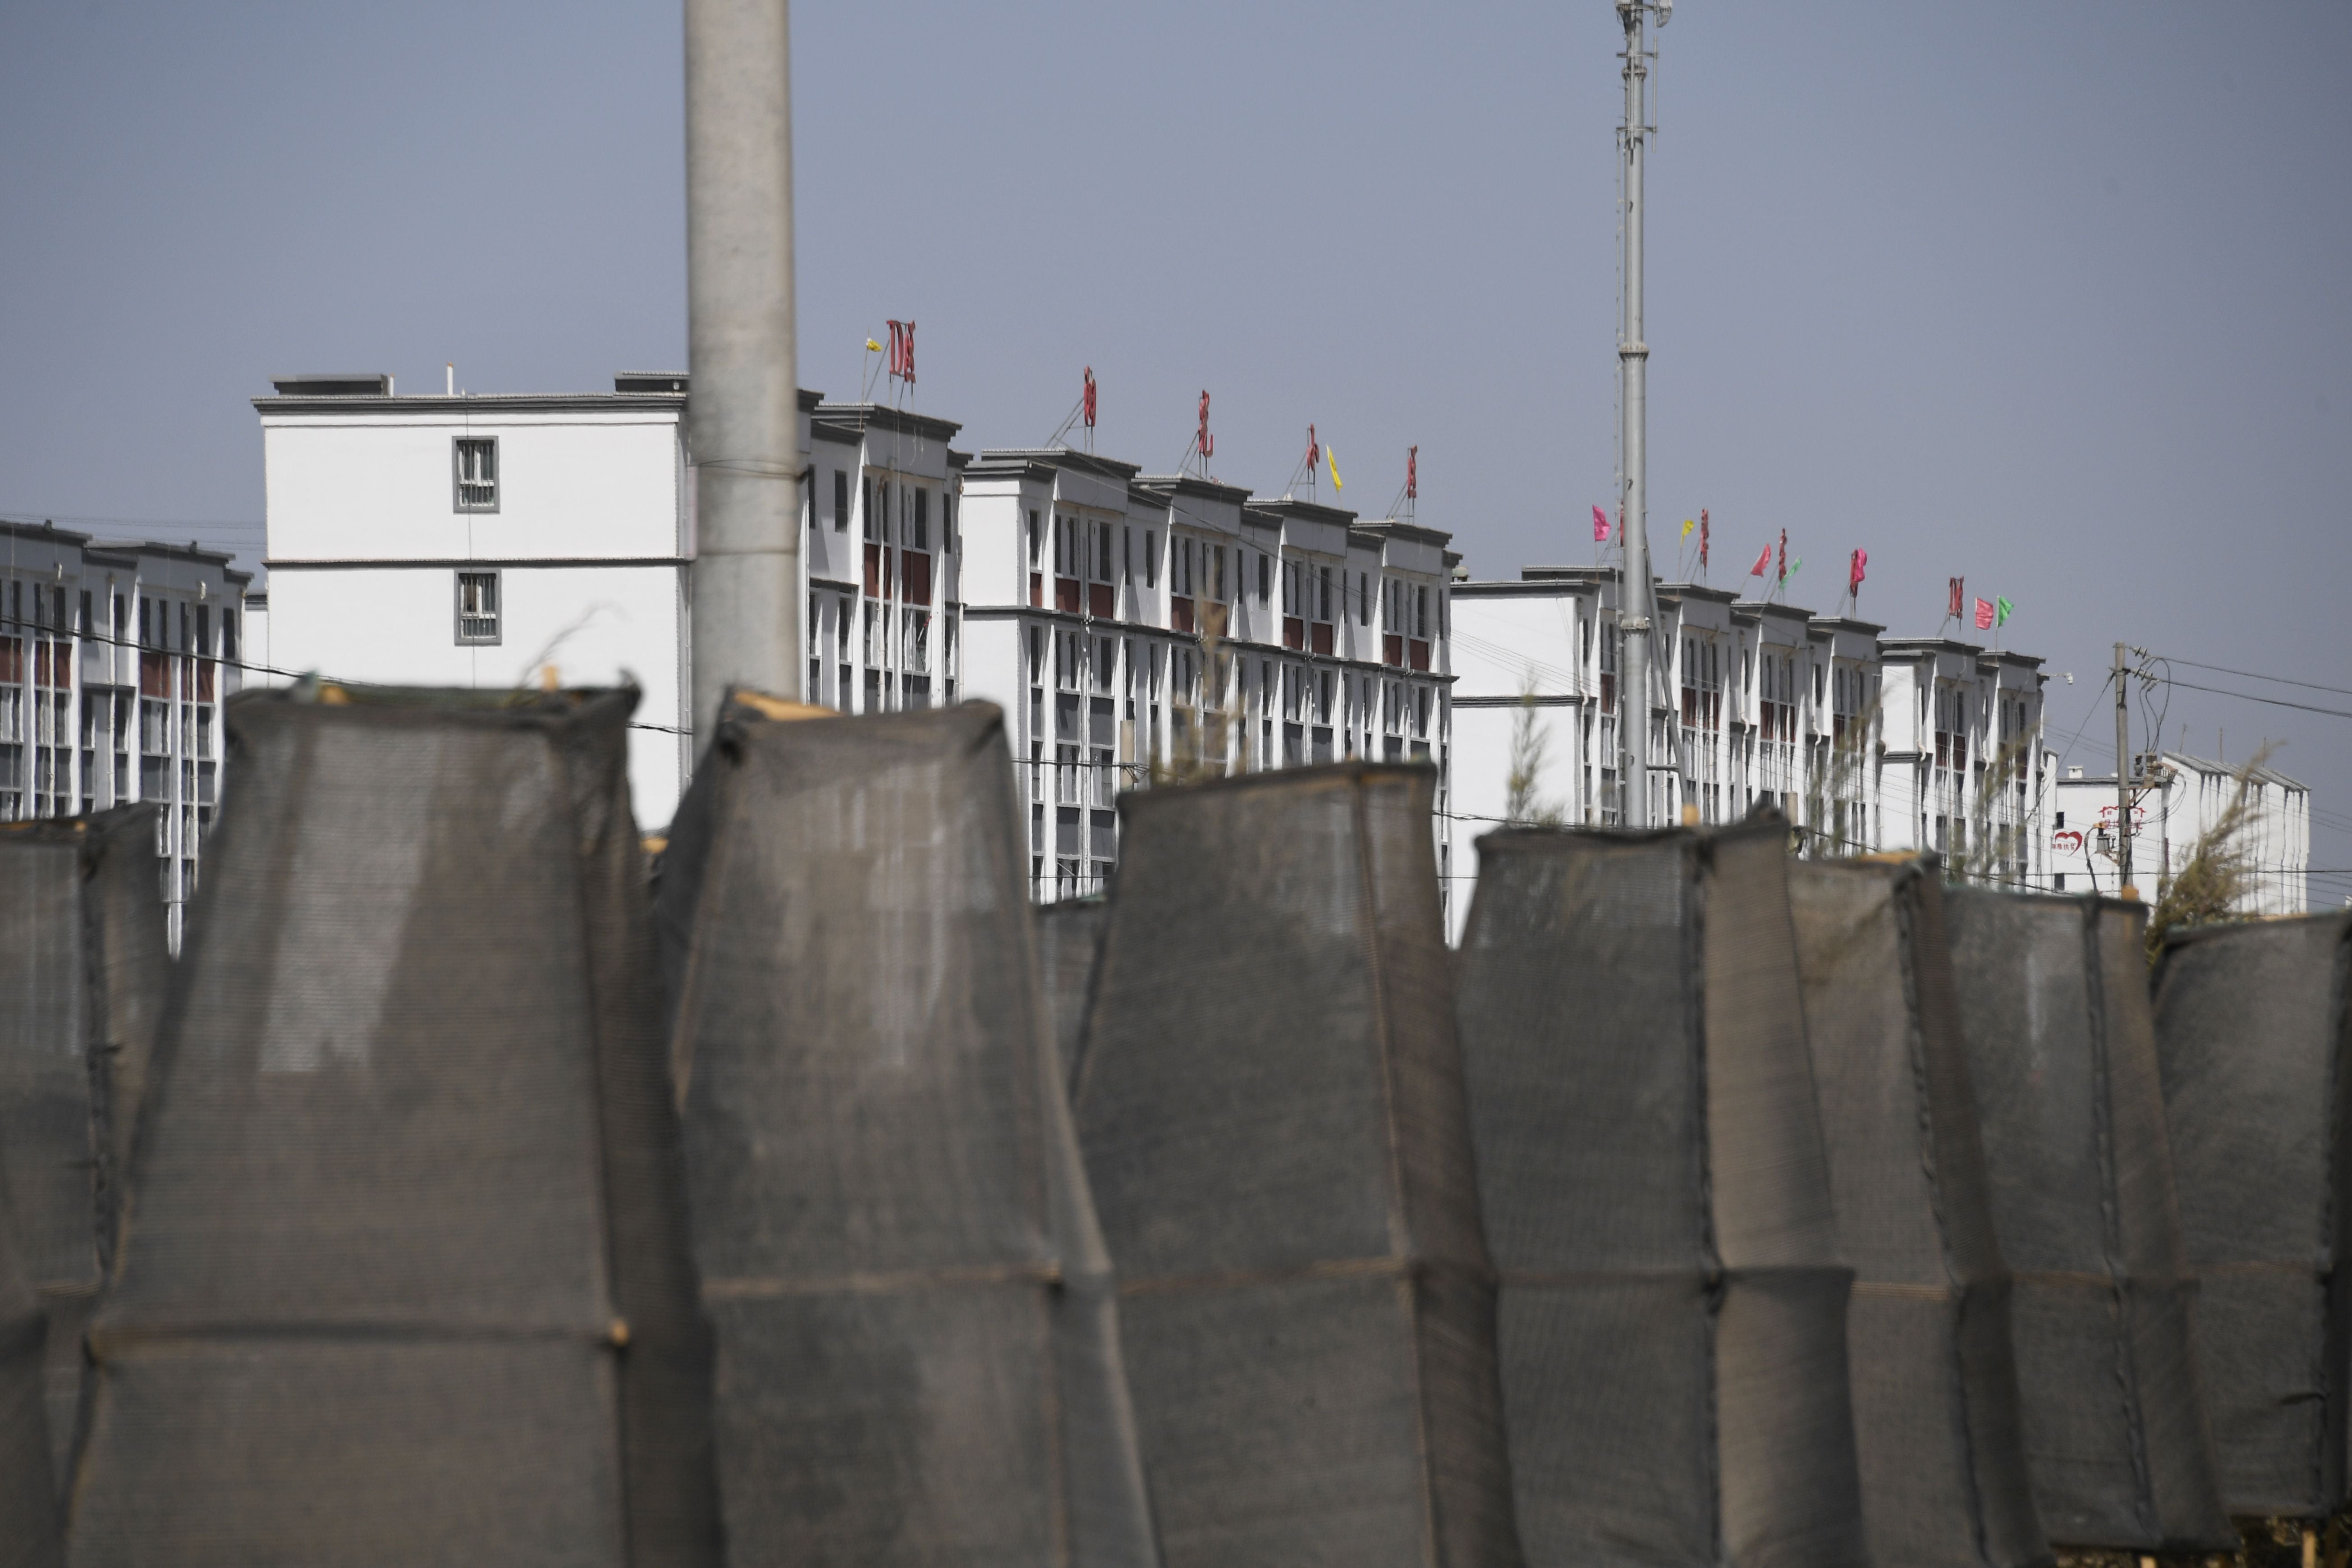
866,506
840,501
922,540
1264,578
86,628
228,635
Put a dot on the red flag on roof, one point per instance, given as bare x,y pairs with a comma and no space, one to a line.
1702,537
1763,559
1953,607
1984,615
1090,397
1853,574
1600,526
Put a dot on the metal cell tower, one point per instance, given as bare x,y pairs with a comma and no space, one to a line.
1637,605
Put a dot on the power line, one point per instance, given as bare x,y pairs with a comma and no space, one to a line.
2257,675
2250,697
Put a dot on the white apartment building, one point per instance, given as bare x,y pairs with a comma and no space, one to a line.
454,539
1131,624
2176,800
1864,742
484,540
884,561
114,662
489,541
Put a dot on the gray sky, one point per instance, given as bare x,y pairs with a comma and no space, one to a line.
2058,299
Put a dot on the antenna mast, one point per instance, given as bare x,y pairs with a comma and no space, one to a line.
1636,604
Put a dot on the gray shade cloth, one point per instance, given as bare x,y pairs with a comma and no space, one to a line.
404,1275
917,1335
1270,1101
1928,1358
83,962
29,1500
1069,937
1657,1196
2062,1054
2254,1027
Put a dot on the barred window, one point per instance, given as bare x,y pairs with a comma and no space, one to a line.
477,473
478,607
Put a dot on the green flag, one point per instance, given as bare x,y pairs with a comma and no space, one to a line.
2001,610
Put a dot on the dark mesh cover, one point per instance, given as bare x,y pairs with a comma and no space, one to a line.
918,1358
402,1276
82,965
2254,1026
1069,935
1270,1099
1927,1352
29,1510
1657,1198
2061,1053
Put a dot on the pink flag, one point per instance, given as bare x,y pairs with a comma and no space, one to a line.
1762,560
1984,615
1853,576
1600,526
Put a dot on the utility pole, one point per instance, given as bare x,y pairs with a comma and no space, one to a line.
743,394
2123,784
1636,604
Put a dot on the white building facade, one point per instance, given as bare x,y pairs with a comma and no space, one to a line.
1865,744
114,662
486,542
1131,627
1136,626
2176,800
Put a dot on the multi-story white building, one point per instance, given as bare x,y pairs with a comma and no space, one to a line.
2176,800
1864,742
1128,624
114,661
1132,624
484,542
883,560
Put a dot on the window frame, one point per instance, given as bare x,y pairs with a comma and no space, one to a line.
457,480
497,618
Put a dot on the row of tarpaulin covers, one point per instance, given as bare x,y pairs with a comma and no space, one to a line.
463,1195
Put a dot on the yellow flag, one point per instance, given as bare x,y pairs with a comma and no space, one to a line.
1331,456
1689,523
873,347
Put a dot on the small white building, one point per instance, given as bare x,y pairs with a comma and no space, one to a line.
487,542
2176,800
114,662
